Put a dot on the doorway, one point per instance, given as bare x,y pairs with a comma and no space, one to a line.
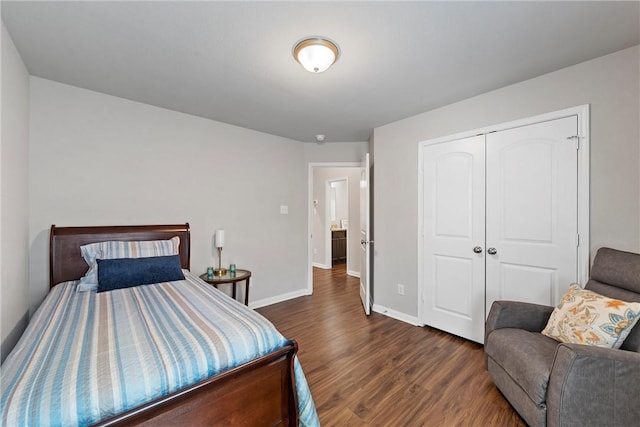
334,218
337,219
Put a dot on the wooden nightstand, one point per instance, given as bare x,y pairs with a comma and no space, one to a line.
239,276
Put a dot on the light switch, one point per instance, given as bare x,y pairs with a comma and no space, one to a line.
284,209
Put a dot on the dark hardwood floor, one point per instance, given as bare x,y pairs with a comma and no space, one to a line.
377,371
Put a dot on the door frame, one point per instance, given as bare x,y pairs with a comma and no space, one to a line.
311,166
583,246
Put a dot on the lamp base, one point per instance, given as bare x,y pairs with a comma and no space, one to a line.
220,271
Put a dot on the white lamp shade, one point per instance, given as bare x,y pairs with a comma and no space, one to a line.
316,58
316,54
219,238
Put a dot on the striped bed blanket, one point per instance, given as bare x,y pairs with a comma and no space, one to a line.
87,356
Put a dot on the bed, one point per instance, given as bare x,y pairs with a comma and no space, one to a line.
83,359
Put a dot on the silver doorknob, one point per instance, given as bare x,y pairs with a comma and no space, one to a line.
492,251
477,249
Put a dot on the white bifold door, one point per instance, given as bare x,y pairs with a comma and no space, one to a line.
500,222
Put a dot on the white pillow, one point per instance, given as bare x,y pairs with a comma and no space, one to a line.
121,249
90,252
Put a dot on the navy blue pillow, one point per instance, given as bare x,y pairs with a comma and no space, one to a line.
127,272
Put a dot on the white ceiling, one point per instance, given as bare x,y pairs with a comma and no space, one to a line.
232,62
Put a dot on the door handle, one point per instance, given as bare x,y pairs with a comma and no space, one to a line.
492,251
477,249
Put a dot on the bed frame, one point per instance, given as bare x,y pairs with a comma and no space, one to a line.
259,393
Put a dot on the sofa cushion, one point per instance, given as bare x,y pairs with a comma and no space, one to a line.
534,414
526,356
616,274
617,268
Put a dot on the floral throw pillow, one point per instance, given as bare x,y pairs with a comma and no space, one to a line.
585,317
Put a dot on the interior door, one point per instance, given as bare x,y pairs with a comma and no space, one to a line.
365,258
532,217
453,237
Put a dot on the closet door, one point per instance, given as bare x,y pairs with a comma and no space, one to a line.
531,212
453,209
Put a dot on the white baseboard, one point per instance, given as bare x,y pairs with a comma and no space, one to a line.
279,298
353,273
322,266
412,320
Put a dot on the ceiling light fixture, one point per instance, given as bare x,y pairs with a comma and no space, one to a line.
316,54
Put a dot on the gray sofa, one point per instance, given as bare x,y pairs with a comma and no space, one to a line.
554,384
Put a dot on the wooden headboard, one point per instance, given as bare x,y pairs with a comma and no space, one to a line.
66,262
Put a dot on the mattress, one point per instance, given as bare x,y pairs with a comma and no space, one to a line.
87,356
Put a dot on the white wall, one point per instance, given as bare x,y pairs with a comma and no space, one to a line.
14,200
610,84
335,152
320,177
99,160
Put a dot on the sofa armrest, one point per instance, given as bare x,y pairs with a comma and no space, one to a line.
514,314
591,386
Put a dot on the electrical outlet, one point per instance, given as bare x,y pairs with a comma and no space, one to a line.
315,251
400,289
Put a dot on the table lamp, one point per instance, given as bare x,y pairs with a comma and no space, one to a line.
219,242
